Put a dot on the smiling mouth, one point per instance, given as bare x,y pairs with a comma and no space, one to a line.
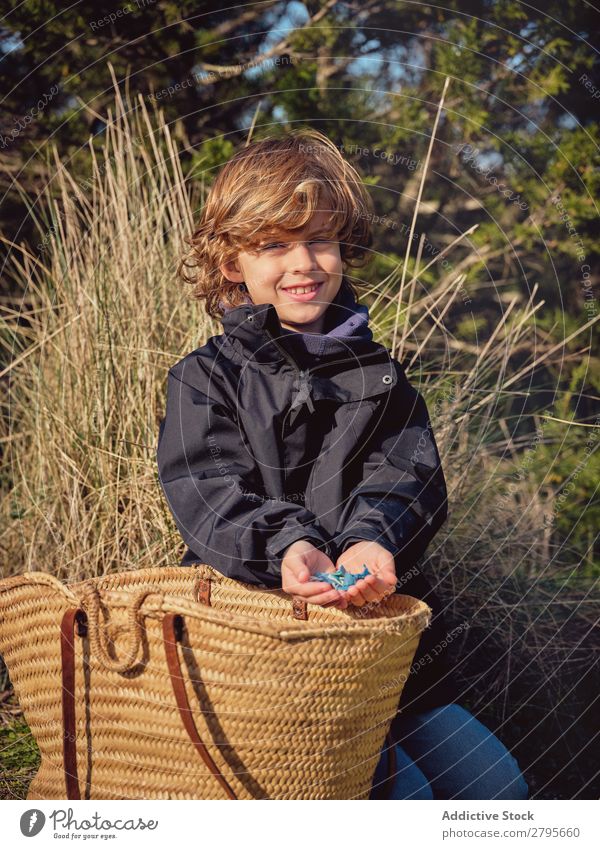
303,290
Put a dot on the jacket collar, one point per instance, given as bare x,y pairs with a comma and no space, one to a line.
249,329
252,333
346,324
346,329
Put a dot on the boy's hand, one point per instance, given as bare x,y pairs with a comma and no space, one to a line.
379,561
301,560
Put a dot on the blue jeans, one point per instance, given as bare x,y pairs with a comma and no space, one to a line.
446,753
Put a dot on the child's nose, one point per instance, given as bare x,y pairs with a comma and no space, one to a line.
302,257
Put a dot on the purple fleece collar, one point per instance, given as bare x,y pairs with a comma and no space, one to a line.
346,323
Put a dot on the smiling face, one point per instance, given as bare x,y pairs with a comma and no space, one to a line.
300,273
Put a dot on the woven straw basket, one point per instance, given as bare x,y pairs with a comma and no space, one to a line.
179,683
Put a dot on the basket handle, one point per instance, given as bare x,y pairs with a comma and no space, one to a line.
172,633
73,616
90,596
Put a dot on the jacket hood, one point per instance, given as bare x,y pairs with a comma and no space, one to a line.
346,327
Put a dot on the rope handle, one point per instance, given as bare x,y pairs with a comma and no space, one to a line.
98,632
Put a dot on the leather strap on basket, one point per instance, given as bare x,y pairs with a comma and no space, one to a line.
71,617
172,631
202,592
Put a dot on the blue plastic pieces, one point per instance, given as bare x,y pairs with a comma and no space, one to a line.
341,579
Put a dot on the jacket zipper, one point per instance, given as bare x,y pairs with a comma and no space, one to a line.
302,376
287,356
304,373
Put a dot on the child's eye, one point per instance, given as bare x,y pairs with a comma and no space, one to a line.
272,246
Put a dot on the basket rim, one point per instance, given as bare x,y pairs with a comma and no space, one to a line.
157,602
284,629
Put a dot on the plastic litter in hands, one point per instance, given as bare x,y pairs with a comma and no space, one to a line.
341,579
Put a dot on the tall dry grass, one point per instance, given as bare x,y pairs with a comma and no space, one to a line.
100,323
102,319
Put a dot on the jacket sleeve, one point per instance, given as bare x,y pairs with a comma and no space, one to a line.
214,490
401,501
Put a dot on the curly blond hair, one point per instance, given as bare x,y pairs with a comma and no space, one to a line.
273,186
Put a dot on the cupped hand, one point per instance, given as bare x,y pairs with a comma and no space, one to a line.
300,562
379,561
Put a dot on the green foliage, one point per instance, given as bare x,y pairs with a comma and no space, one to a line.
211,154
19,758
470,328
570,465
18,749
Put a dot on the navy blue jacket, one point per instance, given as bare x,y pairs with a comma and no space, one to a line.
265,443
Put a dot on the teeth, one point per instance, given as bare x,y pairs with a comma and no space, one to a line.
303,290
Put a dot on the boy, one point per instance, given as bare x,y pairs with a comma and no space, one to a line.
293,443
